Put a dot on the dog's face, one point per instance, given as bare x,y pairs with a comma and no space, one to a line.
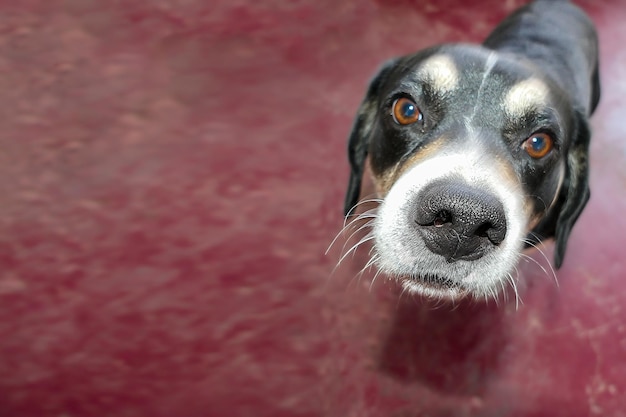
475,155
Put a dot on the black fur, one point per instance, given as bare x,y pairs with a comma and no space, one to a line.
358,142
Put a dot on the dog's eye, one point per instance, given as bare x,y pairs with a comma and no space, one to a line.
538,145
405,111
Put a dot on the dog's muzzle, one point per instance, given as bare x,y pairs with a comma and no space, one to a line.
459,221
451,225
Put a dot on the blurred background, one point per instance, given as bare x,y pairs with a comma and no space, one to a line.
171,175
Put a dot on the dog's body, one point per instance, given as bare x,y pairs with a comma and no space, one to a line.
479,150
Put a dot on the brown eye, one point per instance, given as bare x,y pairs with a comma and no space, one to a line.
405,111
538,145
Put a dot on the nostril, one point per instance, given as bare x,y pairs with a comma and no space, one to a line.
431,217
489,231
441,218
483,229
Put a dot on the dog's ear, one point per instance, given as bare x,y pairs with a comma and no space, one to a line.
575,190
359,140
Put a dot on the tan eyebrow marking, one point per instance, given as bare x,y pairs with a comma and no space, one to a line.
440,72
526,96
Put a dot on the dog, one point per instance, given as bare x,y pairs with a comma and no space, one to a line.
479,151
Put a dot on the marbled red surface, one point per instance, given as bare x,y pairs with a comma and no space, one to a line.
171,174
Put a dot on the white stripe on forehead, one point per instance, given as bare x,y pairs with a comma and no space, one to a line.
526,96
440,72
490,63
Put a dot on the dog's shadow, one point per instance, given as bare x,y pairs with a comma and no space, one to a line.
453,349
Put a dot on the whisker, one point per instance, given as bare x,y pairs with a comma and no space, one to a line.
374,279
354,225
341,231
536,262
370,200
359,275
556,280
367,214
513,283
364,226
369,264
516,280
353,248
368,237
505,294
372,250
494,295
454,305
405,288
542,253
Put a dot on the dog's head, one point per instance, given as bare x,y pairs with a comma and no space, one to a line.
476,154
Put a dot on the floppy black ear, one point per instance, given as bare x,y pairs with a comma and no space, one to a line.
359,140
575,191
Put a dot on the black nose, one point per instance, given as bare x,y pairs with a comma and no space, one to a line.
458,221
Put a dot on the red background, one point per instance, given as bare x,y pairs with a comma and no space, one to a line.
171,173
